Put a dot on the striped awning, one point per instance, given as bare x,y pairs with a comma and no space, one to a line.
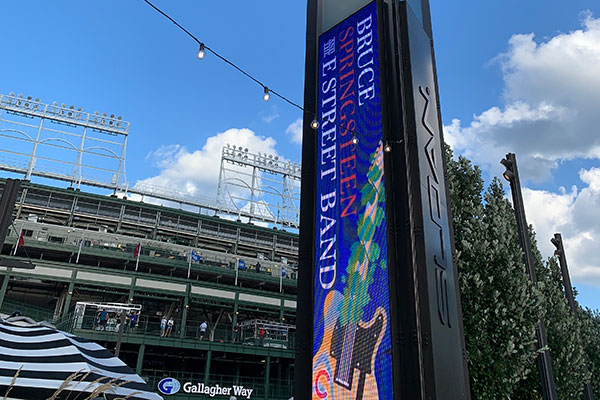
37,362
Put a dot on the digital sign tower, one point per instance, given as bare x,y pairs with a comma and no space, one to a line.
379,312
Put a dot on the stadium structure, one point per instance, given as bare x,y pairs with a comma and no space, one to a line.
194,289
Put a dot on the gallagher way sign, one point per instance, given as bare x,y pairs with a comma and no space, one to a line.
379,312
171,386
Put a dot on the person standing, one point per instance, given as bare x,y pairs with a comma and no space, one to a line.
102,318
236,332
203,327
261,335
170,324
163,326
133,320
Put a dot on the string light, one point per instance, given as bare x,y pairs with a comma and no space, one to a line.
201,51
387,148
267,92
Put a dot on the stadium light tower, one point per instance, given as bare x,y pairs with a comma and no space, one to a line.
562,259
543,360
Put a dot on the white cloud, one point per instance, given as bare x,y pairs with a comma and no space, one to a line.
294,130
551,92
196,172
549,114
273,115
576,215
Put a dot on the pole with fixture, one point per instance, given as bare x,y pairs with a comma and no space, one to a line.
560,254
544,360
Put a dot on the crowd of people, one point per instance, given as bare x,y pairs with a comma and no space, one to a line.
106,320
166,326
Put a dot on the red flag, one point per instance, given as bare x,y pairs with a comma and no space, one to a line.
21,241
136,252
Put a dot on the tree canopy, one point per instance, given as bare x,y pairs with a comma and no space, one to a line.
501,306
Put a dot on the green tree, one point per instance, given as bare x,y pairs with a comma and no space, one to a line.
590,336
500,305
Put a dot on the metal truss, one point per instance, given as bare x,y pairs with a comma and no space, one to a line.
61,142
260,186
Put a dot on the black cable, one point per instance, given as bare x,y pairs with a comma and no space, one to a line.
222,58
173,21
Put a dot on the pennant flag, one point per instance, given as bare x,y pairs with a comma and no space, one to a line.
136,252
20,241
80,246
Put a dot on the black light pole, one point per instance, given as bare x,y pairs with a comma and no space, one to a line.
562,259
543,360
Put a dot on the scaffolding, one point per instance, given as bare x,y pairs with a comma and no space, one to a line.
265,333
259,186
68,144
62,142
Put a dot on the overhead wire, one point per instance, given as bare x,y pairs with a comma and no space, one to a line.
248,75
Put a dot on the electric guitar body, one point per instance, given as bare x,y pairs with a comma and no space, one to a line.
344,366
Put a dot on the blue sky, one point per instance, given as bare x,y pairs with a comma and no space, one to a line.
499,91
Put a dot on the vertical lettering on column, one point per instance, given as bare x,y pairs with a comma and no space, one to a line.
435,212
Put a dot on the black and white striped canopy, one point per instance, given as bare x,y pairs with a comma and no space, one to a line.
47,358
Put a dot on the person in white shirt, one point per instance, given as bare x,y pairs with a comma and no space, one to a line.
163,326
170,326
203,327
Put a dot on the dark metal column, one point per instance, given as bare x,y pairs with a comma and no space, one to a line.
304,312
562,259
207,367
543,360
267,376
7,205
186,306
5,280
140,359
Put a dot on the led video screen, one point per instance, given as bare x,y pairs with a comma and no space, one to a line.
352,340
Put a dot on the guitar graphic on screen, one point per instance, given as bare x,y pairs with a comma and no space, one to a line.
350,343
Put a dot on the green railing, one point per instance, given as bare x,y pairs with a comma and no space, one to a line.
279,389
33,312
152,251
151,326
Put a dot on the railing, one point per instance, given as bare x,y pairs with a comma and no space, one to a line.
150,249
151,327
97,208
35,313
279,389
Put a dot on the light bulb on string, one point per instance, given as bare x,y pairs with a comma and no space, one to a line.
267,95
387,148
314,124
201,52
354,139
